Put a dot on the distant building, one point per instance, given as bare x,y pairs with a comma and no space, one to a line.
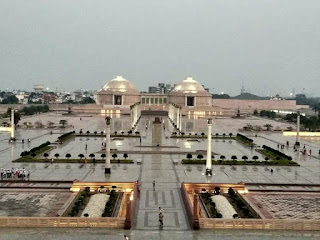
193,99
38,88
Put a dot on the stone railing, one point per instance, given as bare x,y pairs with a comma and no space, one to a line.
272,224
71,222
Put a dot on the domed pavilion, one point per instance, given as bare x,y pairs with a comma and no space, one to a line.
190,93
118,91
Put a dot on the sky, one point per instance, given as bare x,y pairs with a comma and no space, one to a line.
269,46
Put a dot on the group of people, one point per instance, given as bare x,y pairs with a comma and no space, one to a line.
14,173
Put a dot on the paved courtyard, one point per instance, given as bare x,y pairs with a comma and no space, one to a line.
166,168
31,204
287,206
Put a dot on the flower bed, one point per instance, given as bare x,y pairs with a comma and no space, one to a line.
223,206
95,206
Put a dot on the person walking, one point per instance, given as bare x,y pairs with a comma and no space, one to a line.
161,219
310,151
154,185
160,210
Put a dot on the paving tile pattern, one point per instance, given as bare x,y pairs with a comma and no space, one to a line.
32,204
283,206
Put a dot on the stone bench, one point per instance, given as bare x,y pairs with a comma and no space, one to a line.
175,162
139,161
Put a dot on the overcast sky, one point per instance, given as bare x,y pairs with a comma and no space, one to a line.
270,46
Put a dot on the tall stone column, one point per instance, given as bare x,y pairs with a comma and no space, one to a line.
298,130
178,114
107,168
180,120
12,125
209,151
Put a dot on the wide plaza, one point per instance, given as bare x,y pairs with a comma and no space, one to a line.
161,164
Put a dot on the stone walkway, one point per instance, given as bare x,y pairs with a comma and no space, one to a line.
167,195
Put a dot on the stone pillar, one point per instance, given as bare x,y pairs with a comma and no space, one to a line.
180,120
298,130
177,121
209,151
127,223
107,168
13,138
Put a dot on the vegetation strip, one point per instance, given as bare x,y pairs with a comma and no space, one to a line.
237,162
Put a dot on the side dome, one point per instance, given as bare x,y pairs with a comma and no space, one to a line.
190,85
120,84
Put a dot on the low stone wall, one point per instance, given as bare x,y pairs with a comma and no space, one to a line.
262,224
71,222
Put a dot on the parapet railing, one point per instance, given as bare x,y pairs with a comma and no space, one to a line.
71,222
270,224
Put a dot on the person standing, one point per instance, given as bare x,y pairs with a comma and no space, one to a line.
160,210
154,185
310,151
161,219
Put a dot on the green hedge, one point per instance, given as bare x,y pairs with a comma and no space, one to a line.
238,162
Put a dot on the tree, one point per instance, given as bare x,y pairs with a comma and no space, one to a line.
266,158
80,156
202,134
38,124
12,99
50,124
255,158
68,155
255,112
103,155
189,156
268,126
46,155
33,154
114,156
217,190
230,135
223,134
234,157
63,122
87,100
200,156
95,132
125,155
245,158
91,155
222,157
57,155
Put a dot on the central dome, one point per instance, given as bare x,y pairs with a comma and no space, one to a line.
189,85
119,84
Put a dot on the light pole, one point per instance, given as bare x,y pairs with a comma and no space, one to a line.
209,161
107,168
12,138
298,130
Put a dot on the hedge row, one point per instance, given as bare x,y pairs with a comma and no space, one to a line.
35,149
241,205
110,204
66,135
277,153
78,205
244,138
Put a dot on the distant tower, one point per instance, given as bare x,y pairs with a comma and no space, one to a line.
243,90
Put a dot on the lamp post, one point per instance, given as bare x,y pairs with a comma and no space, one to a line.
12,137
107,168
298,130
209,161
